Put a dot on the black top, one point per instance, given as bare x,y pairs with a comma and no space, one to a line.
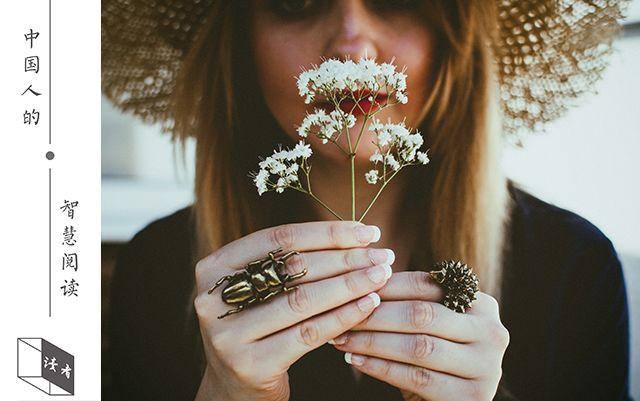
565,307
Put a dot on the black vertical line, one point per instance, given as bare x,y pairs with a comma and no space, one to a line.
49,241
50,72
631,30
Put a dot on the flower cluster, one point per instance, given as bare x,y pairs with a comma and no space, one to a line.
327,124
332,82
334,76
396,147
284,164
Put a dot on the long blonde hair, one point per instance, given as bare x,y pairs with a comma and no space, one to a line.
463,208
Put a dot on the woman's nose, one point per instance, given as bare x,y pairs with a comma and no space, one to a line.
352,31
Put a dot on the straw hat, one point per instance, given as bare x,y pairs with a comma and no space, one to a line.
550,52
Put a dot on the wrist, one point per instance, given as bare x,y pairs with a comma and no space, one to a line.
207,390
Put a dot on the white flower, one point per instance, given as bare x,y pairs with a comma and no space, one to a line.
291,178
416,139
280,154
368,72
376,125
376,157
339,117
337,80
261,181
334,77
387,70
393,134
310,120
281,185
292,169
265,163
391,162
277,167
401,144
384,137
400,81
302,131
399,131
371,176
303,86
302,150
401,97
284,164
327,124
422,157
408,154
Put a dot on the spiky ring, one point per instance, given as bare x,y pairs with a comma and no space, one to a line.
458,281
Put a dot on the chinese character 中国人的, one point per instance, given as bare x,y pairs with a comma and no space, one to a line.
31,36
70,260
31,117
32,63
69,207
70,288
68,234
31,90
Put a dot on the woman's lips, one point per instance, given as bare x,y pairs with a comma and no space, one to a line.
363,106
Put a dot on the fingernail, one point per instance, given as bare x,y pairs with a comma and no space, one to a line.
378,274
351,359
369,302
388,272
379,256
367,233
340,340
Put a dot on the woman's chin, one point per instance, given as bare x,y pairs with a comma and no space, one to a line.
331,152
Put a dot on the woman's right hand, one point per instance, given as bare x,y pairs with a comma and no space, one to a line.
249,353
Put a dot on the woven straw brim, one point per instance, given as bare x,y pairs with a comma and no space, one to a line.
550,53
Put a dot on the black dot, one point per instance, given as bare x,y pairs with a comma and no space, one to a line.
50,155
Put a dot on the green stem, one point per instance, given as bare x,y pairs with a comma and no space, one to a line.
319,201
378,194
340,147
364,123
307,171
327,207
369,116
352,156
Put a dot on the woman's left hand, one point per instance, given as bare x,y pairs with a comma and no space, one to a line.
425,349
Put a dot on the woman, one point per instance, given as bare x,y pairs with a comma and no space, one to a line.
550,321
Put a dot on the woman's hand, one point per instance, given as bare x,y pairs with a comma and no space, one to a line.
425,349
248,353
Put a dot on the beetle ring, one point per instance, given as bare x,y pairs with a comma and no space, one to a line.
458,281
259,281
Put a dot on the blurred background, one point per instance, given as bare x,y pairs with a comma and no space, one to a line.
587,162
